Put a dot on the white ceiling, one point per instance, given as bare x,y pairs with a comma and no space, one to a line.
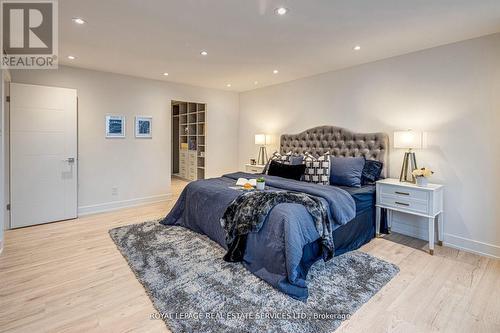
246,41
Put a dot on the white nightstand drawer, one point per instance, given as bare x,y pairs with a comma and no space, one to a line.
404,203
404,193
254,168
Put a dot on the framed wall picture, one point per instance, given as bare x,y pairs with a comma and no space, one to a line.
115,126
143,126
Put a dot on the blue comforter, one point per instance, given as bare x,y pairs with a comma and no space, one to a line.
276,252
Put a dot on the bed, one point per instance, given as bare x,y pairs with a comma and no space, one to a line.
287,245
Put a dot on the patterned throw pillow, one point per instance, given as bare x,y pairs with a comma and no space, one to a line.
317,169
285,159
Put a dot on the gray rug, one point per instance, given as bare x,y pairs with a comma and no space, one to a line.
194,290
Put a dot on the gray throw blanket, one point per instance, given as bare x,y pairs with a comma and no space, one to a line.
248,212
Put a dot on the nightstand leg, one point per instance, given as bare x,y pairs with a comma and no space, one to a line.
377,222
389,220
440,229
431,235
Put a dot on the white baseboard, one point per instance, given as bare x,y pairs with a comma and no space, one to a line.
470,245
419,230
115,205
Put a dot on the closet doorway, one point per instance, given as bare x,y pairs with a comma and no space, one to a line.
188,139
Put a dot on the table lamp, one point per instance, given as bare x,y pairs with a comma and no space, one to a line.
408,140
261,140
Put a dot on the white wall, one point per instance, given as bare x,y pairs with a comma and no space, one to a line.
452,92
139,168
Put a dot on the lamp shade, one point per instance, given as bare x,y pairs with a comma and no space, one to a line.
260,139
408,139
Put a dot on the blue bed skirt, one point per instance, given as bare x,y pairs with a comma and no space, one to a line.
354,234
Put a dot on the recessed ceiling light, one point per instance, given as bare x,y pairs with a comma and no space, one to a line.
357,48
204,53
228,85
281,11
79,20
256,82
165,74
70,57
275,71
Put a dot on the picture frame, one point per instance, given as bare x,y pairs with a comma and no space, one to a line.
115,126
144,127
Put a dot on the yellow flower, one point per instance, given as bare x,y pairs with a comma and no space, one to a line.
423,172
427,172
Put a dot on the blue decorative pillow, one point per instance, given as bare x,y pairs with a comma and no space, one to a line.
346,171
296,159
371,172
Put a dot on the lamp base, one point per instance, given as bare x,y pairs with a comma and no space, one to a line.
409,164
262,159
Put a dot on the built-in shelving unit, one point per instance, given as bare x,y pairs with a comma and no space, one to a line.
188,139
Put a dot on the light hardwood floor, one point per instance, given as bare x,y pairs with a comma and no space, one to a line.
69,277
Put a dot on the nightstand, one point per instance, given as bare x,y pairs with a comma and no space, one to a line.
408,198
258,168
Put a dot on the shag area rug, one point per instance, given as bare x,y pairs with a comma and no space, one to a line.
194,290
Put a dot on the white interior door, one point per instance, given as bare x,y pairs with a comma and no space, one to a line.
43,132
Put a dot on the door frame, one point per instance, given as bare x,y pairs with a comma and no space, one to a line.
4,156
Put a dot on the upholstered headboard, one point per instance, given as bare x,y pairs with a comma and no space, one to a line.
339,142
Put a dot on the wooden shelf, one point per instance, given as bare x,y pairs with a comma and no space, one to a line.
189,116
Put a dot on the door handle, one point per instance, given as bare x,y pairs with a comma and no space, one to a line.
70,160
